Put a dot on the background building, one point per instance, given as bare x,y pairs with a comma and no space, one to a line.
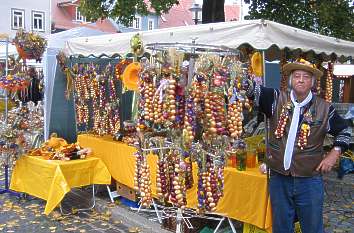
29,15
141,23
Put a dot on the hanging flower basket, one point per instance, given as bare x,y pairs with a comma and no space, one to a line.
13,83
29,45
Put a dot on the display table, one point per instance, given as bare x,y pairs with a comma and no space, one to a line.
245,193
52,179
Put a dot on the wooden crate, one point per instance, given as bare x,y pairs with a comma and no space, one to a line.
125,191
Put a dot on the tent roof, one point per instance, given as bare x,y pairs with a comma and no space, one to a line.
260,34
57,40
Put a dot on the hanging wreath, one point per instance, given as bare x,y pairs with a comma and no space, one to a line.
29,45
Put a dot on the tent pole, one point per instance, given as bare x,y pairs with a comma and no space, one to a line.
6,73
263,68
264,84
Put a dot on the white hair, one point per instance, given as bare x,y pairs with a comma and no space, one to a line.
291,76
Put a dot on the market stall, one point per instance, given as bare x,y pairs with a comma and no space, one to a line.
50,169
190,111
21,126
240,187
54,77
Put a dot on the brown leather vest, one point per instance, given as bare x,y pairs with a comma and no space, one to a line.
304,162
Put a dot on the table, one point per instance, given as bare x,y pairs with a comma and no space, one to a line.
50,180
245,192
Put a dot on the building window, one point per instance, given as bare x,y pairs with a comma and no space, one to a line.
79,17
150,24
18,19
137,22
37,21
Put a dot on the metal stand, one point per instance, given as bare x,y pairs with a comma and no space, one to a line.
230,223
7,180
7,186
156,210
82,209
112,194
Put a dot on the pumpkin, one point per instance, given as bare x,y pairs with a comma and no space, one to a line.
55,142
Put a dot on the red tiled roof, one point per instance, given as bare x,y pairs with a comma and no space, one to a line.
63,18
179,15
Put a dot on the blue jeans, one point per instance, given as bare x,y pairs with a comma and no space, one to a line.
302,196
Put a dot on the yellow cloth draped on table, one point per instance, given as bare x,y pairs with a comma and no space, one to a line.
52,179
245,193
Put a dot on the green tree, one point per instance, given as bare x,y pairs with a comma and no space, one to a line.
124,10
328,17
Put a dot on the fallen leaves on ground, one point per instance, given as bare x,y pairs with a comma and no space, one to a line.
118,222
74,211
134,229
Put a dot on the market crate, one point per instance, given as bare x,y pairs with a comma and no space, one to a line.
125,191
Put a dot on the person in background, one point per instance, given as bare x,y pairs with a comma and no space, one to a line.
298,123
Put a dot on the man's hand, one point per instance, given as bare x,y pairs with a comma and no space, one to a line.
328,162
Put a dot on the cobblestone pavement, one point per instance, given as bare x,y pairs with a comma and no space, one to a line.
339,204
26,215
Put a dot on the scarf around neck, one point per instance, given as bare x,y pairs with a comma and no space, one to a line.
293,128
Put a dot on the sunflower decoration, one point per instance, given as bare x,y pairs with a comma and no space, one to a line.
29,45
130,77
120,67
257,64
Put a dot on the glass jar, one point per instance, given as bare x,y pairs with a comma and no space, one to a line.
251,158
231,162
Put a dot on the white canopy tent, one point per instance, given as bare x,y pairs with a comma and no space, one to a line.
56,43
260,34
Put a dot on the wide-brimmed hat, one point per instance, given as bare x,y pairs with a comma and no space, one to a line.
302,64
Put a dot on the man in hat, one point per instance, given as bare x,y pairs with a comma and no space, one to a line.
298,122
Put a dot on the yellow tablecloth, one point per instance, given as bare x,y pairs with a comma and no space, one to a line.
245,193
52,179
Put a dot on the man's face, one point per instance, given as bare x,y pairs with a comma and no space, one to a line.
301,82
